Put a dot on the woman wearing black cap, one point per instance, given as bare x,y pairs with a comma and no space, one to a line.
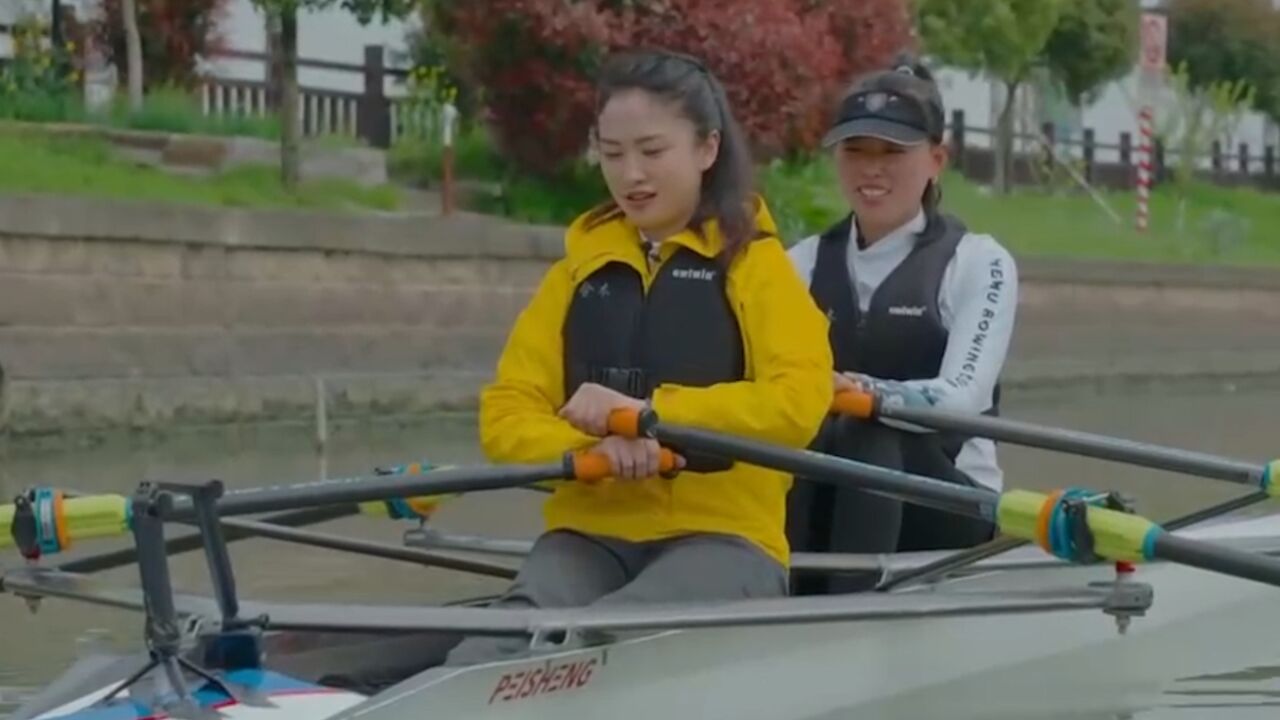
921,312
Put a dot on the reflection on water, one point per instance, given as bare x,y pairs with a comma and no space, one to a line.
1238,422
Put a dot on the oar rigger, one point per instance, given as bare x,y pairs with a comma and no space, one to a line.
1036,593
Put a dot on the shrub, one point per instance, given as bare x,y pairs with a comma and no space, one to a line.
778,66
782,61
869,33
39,83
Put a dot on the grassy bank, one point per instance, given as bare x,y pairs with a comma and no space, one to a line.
163,110
1212,225
78,166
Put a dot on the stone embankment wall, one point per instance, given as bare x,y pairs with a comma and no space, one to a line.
118,314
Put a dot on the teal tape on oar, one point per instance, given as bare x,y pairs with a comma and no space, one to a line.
1149,541
46,514
1064,531
1270,475
1083,526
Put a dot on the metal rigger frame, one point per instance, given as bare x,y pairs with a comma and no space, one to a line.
234,644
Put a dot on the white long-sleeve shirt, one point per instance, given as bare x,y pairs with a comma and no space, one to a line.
978,302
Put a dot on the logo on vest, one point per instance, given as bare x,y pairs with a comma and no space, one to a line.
693,274
586,289
907,310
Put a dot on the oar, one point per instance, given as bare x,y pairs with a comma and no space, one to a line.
49,522
192,541
1067,524
272,526
868,406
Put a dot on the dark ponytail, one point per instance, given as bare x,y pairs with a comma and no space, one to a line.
682,80
932,198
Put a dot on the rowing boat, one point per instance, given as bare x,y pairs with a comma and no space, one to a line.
1002,631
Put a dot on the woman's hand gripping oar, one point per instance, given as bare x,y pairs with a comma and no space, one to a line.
1072,524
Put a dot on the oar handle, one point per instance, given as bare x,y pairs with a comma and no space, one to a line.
595,467
856,403
629,423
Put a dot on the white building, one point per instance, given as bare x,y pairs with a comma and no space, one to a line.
332,35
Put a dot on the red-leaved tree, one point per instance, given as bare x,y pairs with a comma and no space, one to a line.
869,32
174,35
783,62
778,67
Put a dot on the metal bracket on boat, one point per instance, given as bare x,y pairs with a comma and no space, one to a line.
558,637
1126,600
166,635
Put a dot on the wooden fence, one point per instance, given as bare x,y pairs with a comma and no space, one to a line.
1239,166
369,115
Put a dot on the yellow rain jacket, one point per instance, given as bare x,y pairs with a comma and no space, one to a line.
784,399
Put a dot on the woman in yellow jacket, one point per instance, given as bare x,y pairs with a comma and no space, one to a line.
677,295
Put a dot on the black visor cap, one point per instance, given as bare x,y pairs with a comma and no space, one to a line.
895,117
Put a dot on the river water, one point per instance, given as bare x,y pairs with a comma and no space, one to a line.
1238,421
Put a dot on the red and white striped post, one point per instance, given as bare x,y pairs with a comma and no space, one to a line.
1154,36
1146,153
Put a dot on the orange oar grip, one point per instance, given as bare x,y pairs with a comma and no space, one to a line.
631,423
854,403
593,467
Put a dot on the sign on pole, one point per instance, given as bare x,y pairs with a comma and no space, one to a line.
1155,41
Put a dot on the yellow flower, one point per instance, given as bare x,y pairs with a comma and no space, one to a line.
71,46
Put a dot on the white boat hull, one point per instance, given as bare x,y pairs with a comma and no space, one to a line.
1015,666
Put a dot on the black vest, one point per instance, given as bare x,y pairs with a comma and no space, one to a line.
901,336
682,332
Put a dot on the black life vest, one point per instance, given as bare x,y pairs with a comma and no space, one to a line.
682,332
901,336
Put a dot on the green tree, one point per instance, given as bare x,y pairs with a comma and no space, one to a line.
1199,116
1003,38
282,19
1094,42
1228,41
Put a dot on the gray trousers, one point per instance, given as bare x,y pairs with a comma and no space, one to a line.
825,518
569,569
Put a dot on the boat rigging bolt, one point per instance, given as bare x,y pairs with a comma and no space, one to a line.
1126,600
